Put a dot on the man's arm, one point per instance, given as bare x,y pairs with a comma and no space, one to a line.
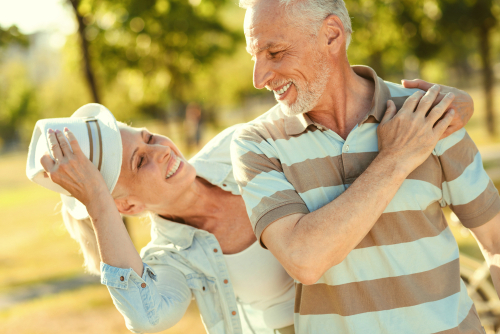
488,236
307,245
463,103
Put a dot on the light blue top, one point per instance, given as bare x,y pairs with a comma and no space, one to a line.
181,262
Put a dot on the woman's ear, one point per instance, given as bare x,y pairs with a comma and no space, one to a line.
129,205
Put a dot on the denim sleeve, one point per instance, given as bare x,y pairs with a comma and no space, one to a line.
151,303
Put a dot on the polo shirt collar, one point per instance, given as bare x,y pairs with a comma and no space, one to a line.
297,124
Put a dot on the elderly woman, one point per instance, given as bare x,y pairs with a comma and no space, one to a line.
202,241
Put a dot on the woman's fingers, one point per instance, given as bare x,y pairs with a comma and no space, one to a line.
63,143
427,101
55,148
444,123
438,111
72,141
47,163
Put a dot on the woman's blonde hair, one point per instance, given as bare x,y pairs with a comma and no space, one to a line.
82,231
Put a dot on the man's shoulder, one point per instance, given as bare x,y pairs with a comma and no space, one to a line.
397,90
262,126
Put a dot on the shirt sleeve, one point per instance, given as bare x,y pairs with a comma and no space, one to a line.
467,189
257,169
151,303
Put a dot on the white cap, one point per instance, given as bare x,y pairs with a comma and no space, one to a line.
96,130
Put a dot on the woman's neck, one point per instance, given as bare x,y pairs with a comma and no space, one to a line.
201,207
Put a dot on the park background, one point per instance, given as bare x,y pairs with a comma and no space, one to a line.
180,68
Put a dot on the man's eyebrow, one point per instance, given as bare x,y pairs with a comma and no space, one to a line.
133,153
265,47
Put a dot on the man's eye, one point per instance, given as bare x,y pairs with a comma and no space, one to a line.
274,54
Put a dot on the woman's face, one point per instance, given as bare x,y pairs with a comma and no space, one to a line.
154,174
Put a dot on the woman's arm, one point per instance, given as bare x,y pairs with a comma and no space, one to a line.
75,173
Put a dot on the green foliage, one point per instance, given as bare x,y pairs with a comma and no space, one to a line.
155,46
12,35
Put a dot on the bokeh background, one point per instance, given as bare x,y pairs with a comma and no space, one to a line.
180,68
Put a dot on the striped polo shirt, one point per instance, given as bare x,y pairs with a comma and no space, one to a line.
404,276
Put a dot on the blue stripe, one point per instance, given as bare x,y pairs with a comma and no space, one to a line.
450,141
468,186
377,262
398,90
318,197
414,195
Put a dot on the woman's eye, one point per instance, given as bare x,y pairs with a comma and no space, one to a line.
141,160
150,139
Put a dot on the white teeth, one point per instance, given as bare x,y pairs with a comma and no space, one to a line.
174,167
284,89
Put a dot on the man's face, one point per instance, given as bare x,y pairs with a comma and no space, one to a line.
288,61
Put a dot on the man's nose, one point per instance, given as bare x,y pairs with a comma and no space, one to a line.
262,72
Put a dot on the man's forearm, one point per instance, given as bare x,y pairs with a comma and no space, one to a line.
338,227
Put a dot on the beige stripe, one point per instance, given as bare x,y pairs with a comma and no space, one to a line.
315,173
480,210
429,171
100,145
470,325
380,294
355,164
282,210
399,101
91,143
392,228
254,164
458,157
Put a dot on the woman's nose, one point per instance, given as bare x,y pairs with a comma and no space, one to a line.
162,152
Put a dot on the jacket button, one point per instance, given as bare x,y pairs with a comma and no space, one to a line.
226,281
233,313
203,288
143,285
122,278
215,250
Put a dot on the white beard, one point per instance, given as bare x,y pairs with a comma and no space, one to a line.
308,93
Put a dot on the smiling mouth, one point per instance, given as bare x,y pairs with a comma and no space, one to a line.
283,90
175,167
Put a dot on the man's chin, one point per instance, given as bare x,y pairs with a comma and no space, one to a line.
291,109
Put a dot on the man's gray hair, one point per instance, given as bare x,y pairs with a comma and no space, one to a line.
310,14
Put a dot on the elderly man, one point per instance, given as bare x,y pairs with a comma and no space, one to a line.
357,219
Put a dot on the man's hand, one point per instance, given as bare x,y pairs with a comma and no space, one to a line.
463,103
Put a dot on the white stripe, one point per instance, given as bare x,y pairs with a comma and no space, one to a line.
264,185
398,90
429,317
377,262
450,141
318,197
240,147
468,186
311,145
414,195
365,139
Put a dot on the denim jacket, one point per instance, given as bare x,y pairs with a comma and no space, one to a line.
181,262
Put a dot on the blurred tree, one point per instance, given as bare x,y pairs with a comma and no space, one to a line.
87,65
154,46
12,35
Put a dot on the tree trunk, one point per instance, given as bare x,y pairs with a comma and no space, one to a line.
89,73
488,78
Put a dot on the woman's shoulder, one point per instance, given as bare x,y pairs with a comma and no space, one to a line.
218,149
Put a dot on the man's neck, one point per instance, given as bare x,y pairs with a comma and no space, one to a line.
347,99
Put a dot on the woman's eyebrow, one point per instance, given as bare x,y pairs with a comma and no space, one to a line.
133,153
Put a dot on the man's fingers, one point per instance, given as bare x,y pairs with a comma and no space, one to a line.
63,143
416,83
390,112
438,111
55,149
427,101
412,102
72,141
444,123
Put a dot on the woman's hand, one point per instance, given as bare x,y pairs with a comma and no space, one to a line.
71,169
409,136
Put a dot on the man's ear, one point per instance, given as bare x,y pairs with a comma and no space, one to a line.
129,205
335,35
